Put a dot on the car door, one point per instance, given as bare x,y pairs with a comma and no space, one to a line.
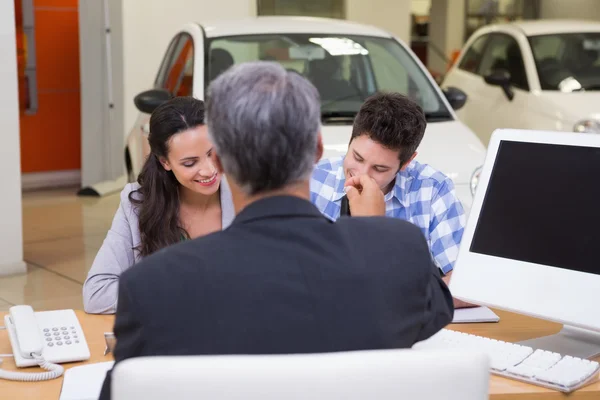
176,75
503,107
464,76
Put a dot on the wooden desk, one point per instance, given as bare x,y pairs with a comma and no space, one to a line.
514,328
511,328
93,327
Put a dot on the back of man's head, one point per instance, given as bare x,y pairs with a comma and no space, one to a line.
264,122
392,120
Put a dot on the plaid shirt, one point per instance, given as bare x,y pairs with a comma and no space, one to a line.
421,195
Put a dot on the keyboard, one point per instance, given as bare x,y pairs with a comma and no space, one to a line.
522,363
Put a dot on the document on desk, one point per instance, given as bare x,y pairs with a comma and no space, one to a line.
84,382
474,314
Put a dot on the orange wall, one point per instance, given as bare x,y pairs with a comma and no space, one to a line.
51,138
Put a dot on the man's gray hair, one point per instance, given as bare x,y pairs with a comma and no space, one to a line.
264,122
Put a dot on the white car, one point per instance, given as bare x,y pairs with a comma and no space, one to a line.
542,75
346,61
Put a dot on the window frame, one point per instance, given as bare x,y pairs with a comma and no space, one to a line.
495,35
169,59
486,38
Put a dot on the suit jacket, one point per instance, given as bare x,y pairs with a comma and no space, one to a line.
283,279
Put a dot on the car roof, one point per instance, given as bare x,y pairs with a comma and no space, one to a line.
545,27
268,24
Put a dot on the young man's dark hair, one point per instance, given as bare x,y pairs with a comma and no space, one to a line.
394,121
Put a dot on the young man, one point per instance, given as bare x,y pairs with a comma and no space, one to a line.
386,134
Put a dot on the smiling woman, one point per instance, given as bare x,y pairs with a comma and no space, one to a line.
179,196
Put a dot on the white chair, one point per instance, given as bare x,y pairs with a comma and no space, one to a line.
381,375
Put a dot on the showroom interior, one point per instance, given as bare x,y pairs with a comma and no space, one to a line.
71,70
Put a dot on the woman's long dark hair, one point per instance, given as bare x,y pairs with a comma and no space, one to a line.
157,199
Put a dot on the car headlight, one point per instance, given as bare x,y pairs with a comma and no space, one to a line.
587,126
475,180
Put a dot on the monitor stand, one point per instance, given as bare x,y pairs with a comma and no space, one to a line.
571,341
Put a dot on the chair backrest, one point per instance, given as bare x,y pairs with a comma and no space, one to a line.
378,374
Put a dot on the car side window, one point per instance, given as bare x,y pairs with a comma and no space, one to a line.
503,52
548,47
472,57
177,72
164,65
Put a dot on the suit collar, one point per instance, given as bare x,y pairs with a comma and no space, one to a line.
278,206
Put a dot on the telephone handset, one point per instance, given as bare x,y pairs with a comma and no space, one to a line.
45,339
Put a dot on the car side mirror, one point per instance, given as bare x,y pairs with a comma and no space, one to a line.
500,77
149,100
456,97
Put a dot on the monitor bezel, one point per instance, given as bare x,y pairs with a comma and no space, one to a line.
541,291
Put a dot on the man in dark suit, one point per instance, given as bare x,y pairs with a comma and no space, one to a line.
282,278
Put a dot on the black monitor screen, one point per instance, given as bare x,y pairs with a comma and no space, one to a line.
542,205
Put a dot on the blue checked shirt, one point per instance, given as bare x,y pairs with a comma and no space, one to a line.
421,195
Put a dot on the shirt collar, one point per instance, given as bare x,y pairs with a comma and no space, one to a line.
340,180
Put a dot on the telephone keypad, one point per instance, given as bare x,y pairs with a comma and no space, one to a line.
61,336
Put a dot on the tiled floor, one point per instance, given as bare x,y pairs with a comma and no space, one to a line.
62,233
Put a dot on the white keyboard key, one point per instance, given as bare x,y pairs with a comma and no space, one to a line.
542,359
569,371
524,370
539,367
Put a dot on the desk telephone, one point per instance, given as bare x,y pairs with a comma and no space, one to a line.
44,339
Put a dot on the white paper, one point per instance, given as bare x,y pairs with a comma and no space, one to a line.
84,382
474,314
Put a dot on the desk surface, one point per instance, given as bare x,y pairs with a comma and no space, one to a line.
511,328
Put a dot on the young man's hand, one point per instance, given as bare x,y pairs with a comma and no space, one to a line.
365,198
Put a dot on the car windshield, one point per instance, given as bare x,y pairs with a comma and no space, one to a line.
345,69
567,62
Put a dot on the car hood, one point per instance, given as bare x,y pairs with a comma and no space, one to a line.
572,107
447,146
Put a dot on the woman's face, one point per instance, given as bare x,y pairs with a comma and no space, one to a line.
190,160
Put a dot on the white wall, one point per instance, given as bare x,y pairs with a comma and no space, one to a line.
420,7
148,30
390,15
575,9
11,227
139,36
446,32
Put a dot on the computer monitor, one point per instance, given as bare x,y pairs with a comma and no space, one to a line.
532,240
